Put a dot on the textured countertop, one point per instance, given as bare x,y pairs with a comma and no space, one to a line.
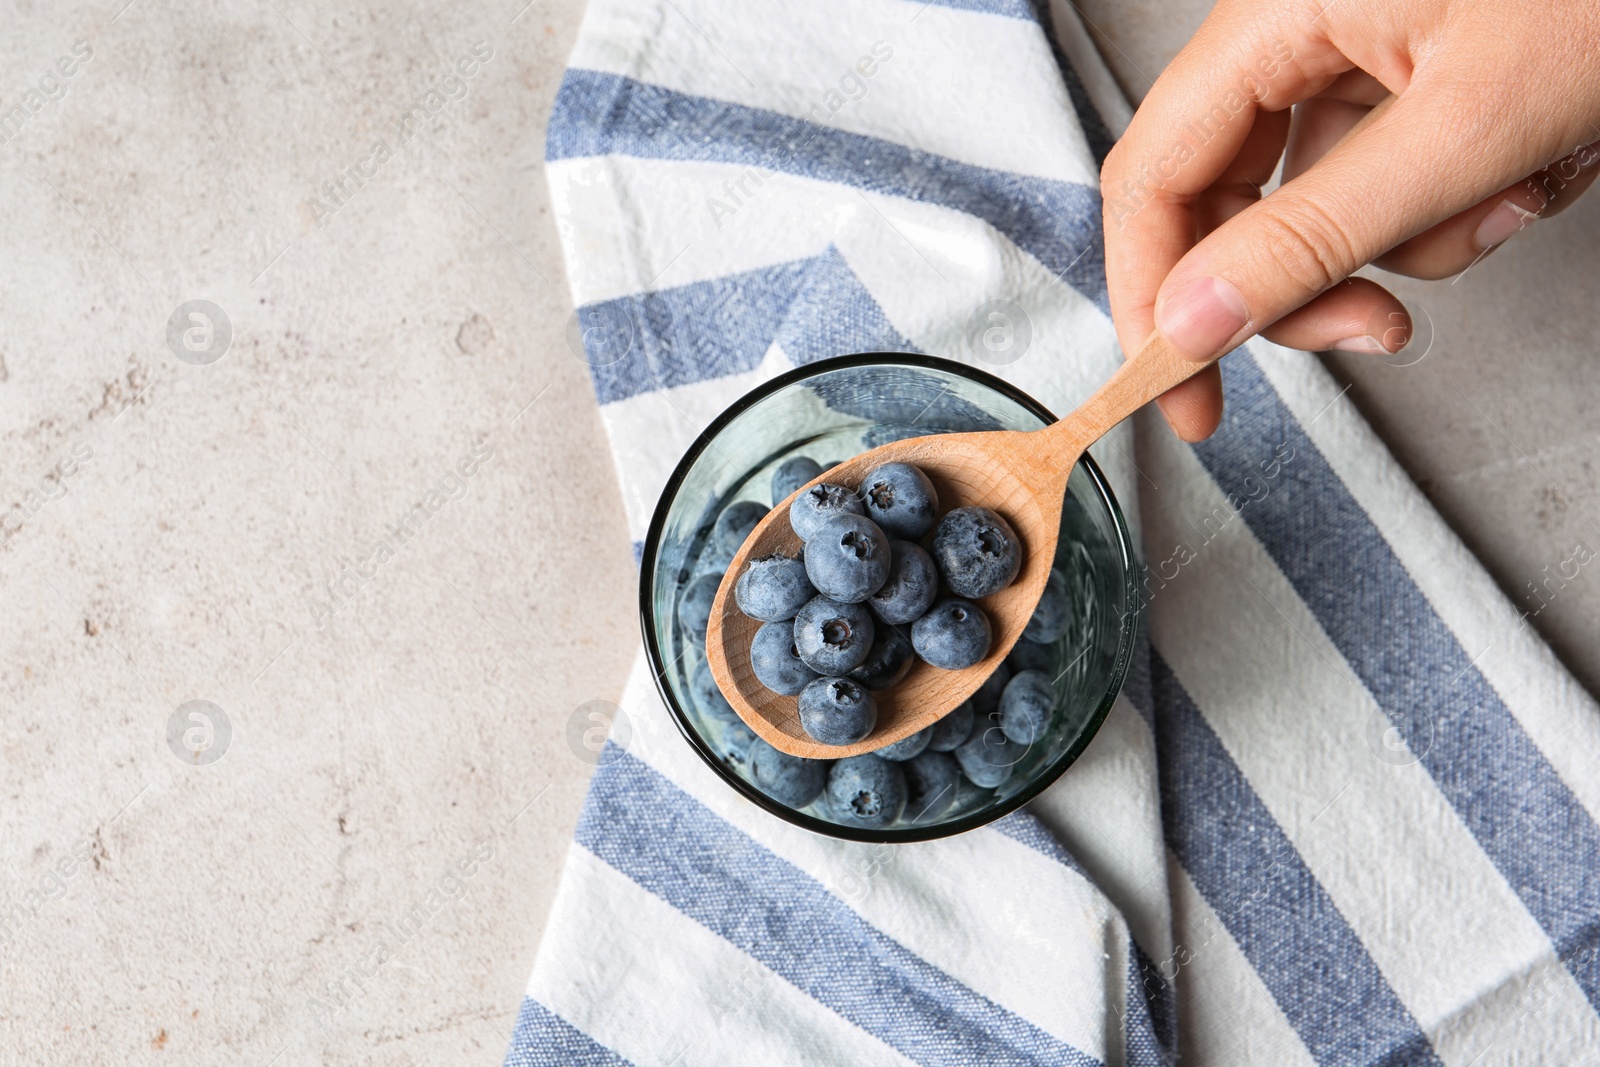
378,534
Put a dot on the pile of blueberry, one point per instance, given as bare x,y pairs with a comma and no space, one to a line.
845,618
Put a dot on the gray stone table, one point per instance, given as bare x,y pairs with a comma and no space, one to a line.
379,537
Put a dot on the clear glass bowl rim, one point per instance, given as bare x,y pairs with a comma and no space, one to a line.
1131,619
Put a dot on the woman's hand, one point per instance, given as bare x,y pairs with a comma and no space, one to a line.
1476,117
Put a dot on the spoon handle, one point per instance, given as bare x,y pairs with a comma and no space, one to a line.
1156,368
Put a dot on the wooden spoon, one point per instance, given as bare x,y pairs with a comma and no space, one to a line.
1022,475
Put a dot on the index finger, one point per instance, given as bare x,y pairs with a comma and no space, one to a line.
1184,137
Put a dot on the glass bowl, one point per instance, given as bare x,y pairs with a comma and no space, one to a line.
830,411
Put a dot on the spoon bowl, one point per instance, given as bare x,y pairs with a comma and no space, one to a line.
1020,475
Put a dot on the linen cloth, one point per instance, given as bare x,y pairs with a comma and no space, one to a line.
1345,811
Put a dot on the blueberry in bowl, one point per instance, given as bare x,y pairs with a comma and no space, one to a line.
866,791
776,660
966,769
787,779
901,500
952,731
819,504
736,522
774,588
978,551
954,634
847,558
887,660
909,588
791,475
831,637
933,781
837,711
907,748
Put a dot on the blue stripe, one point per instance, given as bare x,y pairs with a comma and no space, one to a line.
687,334
1160,1006
544,1039
673,846
1056,222
814,308
833,314
1520,811
1147,1022
1136,686
1283,920
1011,9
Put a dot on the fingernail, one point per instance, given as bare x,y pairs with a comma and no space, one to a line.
1202,317
1365,344
1502,224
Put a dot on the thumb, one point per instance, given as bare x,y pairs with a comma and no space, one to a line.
1391,177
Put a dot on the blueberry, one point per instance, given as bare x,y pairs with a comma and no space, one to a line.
709,698
987,698
888,660
832,638
1031,656
899,498
978,552
866,791
931,783
733,741
952,731
912,584
776,663
988,755
907,747
735,524
819,503
790,780
773,588
847,558
1050,618
1026,705
837,711
953,634
791,475
713,559
694,606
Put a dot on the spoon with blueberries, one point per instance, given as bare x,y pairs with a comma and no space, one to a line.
880,595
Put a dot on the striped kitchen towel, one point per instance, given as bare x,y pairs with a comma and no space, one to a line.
1345,811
